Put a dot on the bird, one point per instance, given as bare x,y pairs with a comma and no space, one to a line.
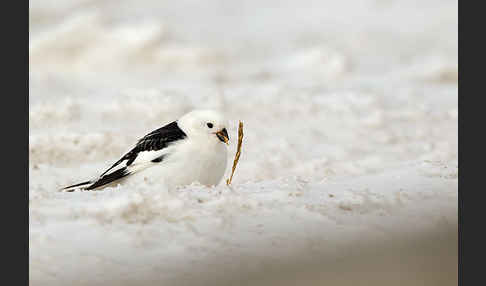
190,149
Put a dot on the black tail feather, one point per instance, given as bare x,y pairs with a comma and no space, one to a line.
106,179
73,187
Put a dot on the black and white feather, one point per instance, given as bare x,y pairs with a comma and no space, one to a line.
178,153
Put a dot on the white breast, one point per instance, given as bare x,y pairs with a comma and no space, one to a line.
190,161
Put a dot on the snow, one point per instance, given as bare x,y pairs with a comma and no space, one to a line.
349,158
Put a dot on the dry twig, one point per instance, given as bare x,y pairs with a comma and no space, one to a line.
238,152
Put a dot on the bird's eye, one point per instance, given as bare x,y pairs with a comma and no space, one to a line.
210,125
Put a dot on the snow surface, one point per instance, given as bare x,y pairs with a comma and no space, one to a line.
350,112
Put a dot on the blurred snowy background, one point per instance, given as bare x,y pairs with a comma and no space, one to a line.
349,159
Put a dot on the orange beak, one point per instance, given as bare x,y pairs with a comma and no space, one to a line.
223,136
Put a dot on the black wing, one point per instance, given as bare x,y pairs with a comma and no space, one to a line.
155,140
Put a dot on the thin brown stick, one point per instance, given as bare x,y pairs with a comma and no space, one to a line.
238,152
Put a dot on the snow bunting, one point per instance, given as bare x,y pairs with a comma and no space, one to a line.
191,149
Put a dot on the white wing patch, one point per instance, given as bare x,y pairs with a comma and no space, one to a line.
144,160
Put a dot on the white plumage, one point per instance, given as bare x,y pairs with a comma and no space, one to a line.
191,149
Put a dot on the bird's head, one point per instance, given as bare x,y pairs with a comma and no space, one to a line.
205,123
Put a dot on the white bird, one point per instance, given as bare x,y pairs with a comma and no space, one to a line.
191,149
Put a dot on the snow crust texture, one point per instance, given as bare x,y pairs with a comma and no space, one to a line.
349,167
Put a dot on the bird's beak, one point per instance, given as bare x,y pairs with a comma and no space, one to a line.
223,135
